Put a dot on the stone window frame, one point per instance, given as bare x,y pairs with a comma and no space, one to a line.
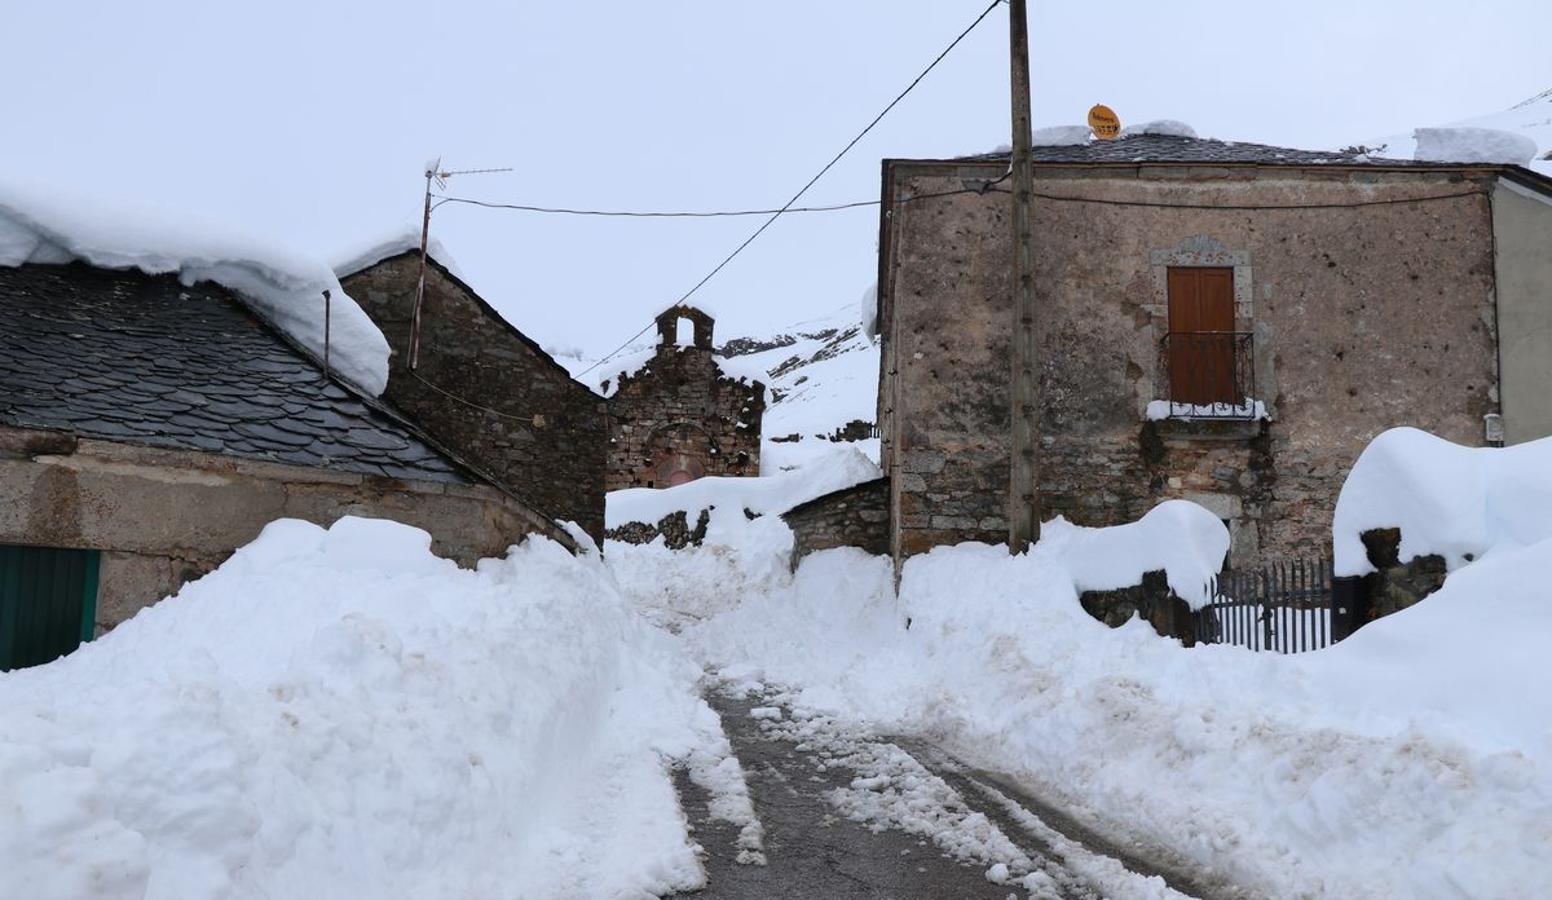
1202,251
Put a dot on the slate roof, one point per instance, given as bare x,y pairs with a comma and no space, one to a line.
1165,148
143,359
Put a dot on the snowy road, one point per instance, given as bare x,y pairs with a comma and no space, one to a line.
847,814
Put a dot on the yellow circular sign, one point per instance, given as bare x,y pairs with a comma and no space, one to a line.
1104,122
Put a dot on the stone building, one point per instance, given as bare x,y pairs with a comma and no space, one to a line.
481,386
1221,322
148,428
679,416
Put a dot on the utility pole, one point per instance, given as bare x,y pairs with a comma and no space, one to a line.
1023,469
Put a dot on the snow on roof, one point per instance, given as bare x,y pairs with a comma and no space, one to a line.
1060,135
1171,127
368,254
1473,145
605,379
1454,501
40,225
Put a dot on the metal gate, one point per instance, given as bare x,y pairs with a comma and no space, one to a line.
1284,607
48,603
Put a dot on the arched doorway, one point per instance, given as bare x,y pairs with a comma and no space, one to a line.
676,454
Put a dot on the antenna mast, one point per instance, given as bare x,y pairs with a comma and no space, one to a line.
434,173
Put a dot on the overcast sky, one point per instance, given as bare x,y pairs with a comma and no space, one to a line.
311,121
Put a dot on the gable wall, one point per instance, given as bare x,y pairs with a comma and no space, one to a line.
540,433
1363,319
683,386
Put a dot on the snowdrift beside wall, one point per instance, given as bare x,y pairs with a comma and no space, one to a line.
341,714
1458,502
281,286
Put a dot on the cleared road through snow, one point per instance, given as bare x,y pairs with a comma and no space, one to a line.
847,814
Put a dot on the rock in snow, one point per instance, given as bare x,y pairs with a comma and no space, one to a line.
281,286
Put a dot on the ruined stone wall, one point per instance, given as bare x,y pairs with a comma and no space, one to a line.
163,517
532,427
681,405
1364,318
857,516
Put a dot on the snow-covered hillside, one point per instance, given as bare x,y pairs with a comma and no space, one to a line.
1531,118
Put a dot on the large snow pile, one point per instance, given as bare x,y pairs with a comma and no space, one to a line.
1458,502
340,713
283,286
1183,539
1473,145
1407,761
1530,119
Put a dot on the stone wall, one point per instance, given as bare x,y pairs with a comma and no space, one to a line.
857,516
1151,600
681,412
488,392
1363,318
163,517
674,529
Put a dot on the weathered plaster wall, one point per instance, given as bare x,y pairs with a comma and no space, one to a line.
533,428
1364,318
166,516
681,405
1522,224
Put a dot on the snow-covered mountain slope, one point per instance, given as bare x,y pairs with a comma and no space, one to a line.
822,374
1531,118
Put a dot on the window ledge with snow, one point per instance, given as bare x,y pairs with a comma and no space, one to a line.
1212,421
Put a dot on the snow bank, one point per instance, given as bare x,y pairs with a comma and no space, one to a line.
280,285
1407,761
1184,539
1171,127
1060,135
1473,145
372,252
339,713
1459,502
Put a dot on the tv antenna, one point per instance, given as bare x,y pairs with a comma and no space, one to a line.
439,176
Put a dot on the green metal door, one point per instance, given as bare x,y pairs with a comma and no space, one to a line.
48,603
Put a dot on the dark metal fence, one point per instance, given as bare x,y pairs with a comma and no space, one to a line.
1209,374
1284,607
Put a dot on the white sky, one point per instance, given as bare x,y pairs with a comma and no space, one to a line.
311,121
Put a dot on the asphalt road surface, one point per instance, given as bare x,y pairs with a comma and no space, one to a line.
848,815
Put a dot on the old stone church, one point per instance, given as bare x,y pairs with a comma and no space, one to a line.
679,416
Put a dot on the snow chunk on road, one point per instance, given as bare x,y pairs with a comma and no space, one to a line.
1473,145
340,713
280,285
1459,502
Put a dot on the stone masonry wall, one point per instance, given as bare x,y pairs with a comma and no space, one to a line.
1364,318
681,406
533,428
162,517
857,516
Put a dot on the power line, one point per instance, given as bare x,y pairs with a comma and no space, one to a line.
820,174
859,204
635,214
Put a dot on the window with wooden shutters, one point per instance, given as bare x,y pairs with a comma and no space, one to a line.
1202,345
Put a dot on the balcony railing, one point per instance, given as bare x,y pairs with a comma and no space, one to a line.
1208,375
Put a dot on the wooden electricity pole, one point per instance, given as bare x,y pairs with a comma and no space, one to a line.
1024,475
